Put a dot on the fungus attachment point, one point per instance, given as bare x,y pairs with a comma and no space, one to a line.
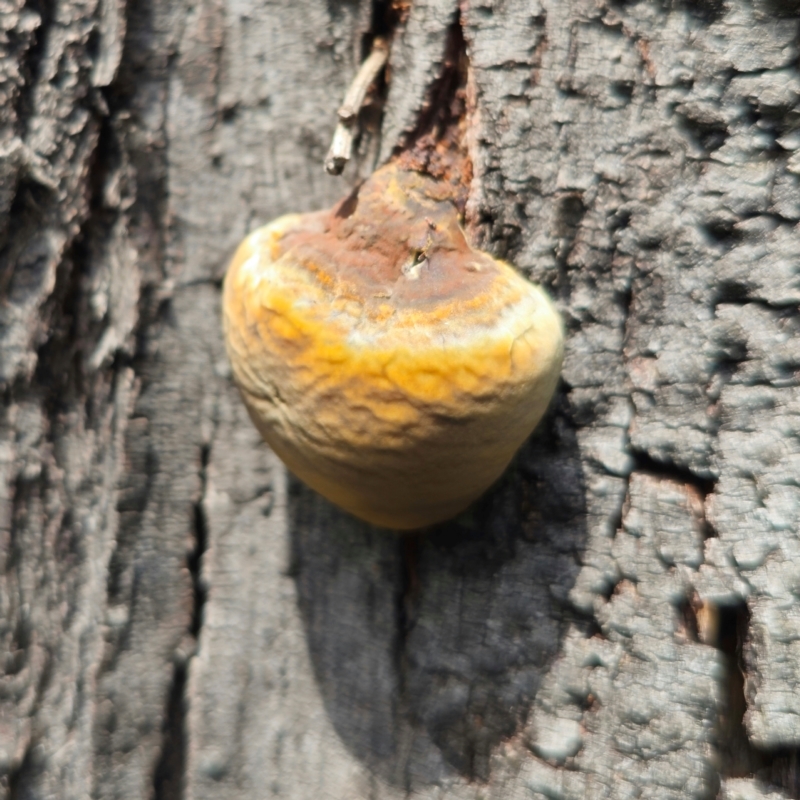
392,367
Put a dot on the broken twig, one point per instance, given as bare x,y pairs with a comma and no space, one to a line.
342,144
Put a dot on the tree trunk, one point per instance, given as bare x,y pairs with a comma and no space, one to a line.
618,617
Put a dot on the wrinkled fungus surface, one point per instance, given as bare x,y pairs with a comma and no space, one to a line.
392,367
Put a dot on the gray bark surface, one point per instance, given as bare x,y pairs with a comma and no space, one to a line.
619,617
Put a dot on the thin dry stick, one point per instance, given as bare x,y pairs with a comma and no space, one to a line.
342,144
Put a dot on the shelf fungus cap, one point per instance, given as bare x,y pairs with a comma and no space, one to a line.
393,368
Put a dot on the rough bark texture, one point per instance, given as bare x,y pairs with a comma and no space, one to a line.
619,617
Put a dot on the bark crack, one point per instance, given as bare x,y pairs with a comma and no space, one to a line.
739,757
169,774
437,144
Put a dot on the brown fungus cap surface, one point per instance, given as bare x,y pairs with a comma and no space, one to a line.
392,367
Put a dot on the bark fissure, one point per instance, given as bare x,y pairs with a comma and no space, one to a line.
168,777
666,470
740,758
437,142
30,63
195,560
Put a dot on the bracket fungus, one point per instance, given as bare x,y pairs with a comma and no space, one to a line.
392,367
